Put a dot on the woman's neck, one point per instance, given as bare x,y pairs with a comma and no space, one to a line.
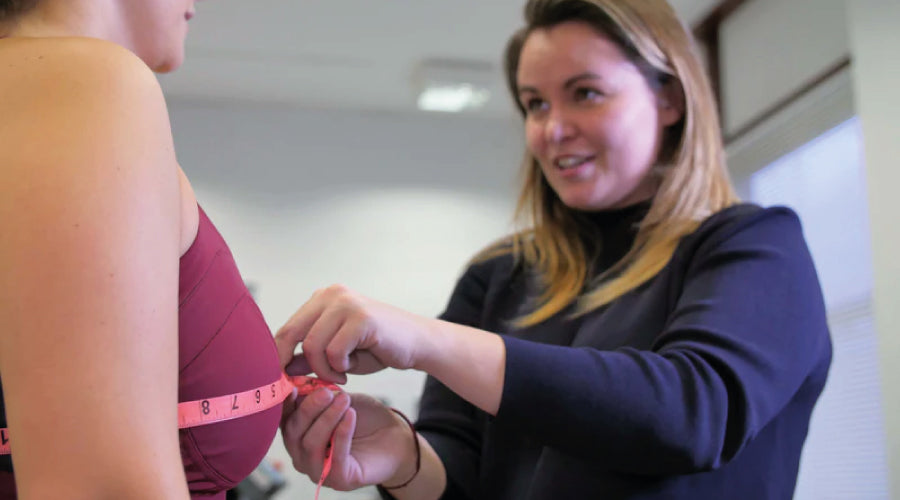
68,18
609,234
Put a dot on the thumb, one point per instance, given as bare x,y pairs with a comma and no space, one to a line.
298,366
364,362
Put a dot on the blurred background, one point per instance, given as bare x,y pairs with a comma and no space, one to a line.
373,144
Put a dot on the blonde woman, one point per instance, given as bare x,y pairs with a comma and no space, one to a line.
644,336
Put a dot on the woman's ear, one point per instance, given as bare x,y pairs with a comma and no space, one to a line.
670,100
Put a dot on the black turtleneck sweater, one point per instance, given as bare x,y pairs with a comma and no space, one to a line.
697,385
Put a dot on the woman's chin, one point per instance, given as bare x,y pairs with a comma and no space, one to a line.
578,201
167,66
167,63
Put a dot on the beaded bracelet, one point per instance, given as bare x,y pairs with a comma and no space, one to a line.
418,452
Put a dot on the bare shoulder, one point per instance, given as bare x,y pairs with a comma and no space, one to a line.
83,115
86,79
52,70
78,95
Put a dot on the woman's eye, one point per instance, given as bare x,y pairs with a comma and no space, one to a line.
534,104
583,94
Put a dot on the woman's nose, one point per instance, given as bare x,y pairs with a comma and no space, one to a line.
558,128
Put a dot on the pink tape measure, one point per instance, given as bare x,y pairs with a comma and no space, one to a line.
231,406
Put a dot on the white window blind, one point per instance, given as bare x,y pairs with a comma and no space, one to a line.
823,181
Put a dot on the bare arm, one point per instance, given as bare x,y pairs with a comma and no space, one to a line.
89,214
335,323
469,361
342,331
431,480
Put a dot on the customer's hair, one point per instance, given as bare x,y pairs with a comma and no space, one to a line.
10,9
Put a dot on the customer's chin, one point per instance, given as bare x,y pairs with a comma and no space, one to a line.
168,62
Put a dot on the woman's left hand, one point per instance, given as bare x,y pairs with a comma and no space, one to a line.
372,444
343,332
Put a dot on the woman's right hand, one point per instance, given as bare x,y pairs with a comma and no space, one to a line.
372,444
344,332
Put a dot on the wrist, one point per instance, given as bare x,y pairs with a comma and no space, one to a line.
411,460
431,344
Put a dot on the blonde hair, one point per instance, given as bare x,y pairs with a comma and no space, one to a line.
694,181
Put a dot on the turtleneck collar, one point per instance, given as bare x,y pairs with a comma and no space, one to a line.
609,234
632,214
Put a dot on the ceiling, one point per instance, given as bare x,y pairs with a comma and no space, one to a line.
346,54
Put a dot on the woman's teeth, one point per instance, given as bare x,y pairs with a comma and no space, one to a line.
571,161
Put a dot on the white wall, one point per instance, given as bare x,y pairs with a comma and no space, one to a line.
391,205
875,37
844,456
771,48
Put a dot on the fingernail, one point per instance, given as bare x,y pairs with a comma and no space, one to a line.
322,397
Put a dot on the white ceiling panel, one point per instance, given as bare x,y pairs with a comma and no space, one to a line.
348,54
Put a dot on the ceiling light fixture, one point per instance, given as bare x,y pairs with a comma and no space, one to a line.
452,86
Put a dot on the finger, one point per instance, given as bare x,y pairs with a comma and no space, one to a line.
344,343
289,407
298,366
343,439
296,328
298,423
364,362
317,438
317,340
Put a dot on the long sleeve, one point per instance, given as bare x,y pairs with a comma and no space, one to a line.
746,332
451,425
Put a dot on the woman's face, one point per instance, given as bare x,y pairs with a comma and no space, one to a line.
593,123
155,30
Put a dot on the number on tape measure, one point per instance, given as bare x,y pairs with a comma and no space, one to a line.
231,406
219,409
